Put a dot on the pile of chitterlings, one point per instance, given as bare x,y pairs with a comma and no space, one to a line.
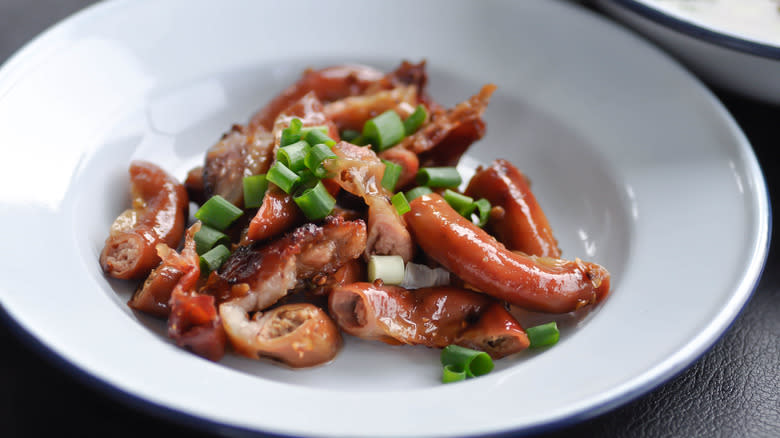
337,208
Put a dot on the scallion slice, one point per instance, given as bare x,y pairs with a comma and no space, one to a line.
384,130
416,192
349,135
293,155
254,190
214,258
461,203
439,177
391,175
322,128
316,202
292,133
283,177
451,373
480,217
218,213
415,120
308,180
543,335
316,136
207,237
474,363
388,268
400,203
317,154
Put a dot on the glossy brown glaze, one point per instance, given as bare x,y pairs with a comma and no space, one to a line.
193,322
353,112
158,215
299,335
261,274
194,185
359,171
352,272
523,225
278,212
448,135
342,82
408,161
153,295
434,317
241,152
537,283
327,84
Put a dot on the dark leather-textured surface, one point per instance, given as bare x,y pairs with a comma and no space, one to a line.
732,391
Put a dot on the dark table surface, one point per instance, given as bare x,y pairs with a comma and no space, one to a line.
733,390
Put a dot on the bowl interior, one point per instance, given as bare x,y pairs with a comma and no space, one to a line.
582,195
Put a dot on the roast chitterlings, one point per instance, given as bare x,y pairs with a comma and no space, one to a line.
290,286
450,133
193,321
537,283
242,152
359,171
278,212
158,215
256,276
300,334
327,84
434,317
523,225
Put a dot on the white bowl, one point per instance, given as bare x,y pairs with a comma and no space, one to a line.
637,165
738,53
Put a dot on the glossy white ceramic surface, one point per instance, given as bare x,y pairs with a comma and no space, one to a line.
637,166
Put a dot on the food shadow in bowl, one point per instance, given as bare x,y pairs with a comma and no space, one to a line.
586,203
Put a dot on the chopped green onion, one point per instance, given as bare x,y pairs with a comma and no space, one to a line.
349,135
316,202
483,212
452,373
388,268
218,213
360,141
283,177
322,128
391,175
207,237
316,136
461,203
293,155
292,133
400,203
543,335
415,120
439,177
416,192
308,180
474,363
317,154
384,130
214,258
254,190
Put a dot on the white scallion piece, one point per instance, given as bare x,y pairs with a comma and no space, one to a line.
419,276
388,268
